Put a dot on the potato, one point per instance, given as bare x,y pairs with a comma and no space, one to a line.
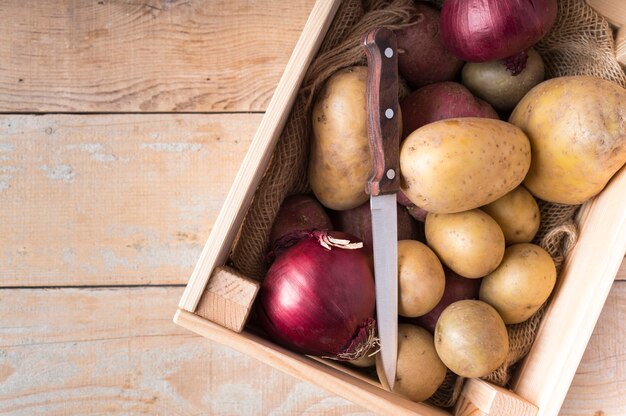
339,161
457,288
498,85
462,163
419,370
471,338
422,58
299,212
441,101
470,243
517,214
421,279
577,130
521,284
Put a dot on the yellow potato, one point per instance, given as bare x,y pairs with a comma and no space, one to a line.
521,284
470,243
340,161
577,129
471,338
459,164
421,279
517,213
419,370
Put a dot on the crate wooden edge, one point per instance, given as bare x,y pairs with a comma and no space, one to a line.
545,375
232,213
329,378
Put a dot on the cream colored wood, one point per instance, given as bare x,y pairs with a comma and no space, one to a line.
123,56
613,10
116,351
600,382
113,199
480,398
546,373
254,164
370,396
228,298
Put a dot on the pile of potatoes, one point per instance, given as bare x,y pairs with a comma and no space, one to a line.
479,148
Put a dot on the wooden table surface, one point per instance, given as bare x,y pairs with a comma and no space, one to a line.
122,125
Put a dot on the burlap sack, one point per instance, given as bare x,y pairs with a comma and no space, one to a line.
580,43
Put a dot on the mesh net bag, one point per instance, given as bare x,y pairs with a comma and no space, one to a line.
580,43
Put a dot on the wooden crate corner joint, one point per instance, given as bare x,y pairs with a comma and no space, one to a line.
228,298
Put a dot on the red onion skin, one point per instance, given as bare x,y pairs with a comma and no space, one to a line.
486,30
318,301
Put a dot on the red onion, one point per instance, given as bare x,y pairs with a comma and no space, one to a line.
486,30
318,296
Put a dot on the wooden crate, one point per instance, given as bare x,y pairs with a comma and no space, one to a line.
543,378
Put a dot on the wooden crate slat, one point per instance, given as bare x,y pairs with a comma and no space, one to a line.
119,56
113,199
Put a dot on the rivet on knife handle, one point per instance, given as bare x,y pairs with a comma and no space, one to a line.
381,50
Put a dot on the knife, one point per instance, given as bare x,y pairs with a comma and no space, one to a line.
383,132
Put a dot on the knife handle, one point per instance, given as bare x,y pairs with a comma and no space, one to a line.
382,107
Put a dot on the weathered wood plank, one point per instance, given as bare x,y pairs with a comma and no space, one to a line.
113,199
116,351
600,382
154,55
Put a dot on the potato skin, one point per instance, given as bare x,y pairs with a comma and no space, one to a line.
459,164
471,338
517,214
470,243
421,279
420,371
577,130
339,162
521,284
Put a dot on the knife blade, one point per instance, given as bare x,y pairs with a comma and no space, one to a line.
383,132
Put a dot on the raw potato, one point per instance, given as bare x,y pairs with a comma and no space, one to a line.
419,371
339,162
517,213
495,83
521,284
577,130
462,163
471,338
421,279
470,243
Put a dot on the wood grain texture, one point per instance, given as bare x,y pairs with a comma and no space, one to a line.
153,55
600,382
613,10
228,298
116,351
544,376
113,199
480,398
